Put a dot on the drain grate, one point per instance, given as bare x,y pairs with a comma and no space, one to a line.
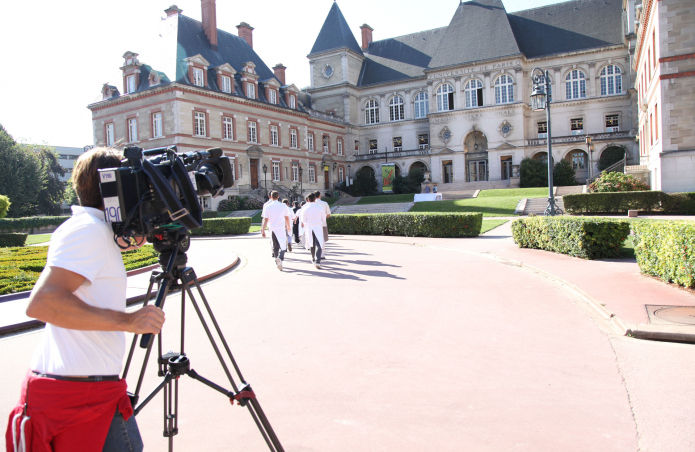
671,315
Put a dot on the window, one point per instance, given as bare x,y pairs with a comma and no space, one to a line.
445,97
293,102
474,93
421,105
326,145
340,146
250,90
253,137
578,160
611,80
341,175
310,142
357,147
612,124
656,124
204,202
396,109
312,173
273,96
276,171
198,79
577,126
228,126
423,141
293,138
130,84
373,147
233,165
397,144
542,129
371,112
199,124
109,134
504,89
274,136
575,85
226,84
295,172
156,125
132,130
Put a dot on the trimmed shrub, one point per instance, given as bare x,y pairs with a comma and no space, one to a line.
678,203
424,224
617,182
533,173
4,205
563,174
251,204
621,202
210,214
223,226
666,249
588,238
12,239
28,224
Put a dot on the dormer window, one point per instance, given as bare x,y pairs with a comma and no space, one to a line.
273,97
155,79
293,102
250,90
226,84
130,84
198,77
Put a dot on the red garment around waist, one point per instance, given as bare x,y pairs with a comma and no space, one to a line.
82,409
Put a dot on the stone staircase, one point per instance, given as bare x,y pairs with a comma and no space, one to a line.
347,201
537,206
458,194
243,213
569,190
375,208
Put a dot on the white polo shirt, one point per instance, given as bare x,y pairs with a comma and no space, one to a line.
84,245
326,209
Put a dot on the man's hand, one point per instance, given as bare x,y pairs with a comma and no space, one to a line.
149,319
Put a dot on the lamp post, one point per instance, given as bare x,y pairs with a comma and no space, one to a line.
590,151
265,180
541,98
349,175
301,182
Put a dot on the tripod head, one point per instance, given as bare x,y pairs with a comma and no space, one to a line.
172,244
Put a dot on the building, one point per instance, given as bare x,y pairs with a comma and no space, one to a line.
455,101
663,58
199,87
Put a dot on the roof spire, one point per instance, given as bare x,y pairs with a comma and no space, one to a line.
335,33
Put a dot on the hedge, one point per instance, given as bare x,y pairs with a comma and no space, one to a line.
614,202
424,224
678,203
588,238
223,226
12,239
28,224
666,249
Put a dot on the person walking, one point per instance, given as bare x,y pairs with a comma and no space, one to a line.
278,221
313,217
295,224
327,210
267,203
286,202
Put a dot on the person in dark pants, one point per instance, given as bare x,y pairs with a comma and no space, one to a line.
295,225
277,218
312,217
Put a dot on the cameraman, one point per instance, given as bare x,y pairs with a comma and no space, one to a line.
73,396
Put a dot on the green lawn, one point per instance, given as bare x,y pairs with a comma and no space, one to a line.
385,199
33,239
490,207
628,248
491,224
255,228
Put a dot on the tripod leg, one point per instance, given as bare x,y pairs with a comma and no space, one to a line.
167,378
153,278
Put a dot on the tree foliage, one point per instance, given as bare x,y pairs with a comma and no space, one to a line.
564,174
617,182
533,173
52,192
410,183
611,155
4,205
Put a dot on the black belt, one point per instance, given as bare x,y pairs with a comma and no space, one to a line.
91,378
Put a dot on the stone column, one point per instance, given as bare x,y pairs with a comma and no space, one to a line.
458,100
383,109
489,92
558,85
408,106
591,80
346,110
520,85
430,97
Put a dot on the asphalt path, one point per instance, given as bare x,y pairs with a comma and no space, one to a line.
397,346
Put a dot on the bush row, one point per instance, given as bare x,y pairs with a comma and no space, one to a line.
588,238
621,202
425,224
28,224
12,239
223,226
239,203
666,249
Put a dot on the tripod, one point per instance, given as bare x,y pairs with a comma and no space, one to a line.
172,247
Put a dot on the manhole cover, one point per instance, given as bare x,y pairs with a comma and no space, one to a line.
680,315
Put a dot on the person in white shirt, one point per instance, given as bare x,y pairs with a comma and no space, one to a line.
300,227
267,203
312,218
277,219
293,218
327,210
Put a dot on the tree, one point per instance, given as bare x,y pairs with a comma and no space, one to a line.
533,173
21,176
611,155
71,194
52,192
564,174
411,183
4,205
365,184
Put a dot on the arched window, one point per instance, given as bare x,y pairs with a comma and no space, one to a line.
611,80
578,159
421,104
445,97
504,89
474,93
575,85
396,111
371,112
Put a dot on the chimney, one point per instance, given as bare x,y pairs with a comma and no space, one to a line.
246,33
366,35
210,22
173,10
279,70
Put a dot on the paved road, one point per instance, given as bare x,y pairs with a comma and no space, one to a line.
414,347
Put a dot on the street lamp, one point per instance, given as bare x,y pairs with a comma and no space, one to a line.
301,182
349,174
590,150
265,180
541,98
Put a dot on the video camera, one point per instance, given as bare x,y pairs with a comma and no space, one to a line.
150,197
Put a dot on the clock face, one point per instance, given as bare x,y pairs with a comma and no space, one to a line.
328,71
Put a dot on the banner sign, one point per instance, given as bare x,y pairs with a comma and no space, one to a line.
388,172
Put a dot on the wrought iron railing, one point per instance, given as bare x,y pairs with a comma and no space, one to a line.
578,138
617,167
383,155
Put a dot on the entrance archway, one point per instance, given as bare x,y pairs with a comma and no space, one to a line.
475,149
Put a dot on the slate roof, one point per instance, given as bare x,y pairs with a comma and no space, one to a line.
335,33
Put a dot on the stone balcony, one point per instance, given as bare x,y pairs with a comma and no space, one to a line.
579,138
398,154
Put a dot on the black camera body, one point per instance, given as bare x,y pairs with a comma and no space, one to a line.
148,197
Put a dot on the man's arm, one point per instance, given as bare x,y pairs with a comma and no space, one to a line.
265,223
53,301
287,223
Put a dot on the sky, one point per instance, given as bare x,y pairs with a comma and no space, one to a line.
57,55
